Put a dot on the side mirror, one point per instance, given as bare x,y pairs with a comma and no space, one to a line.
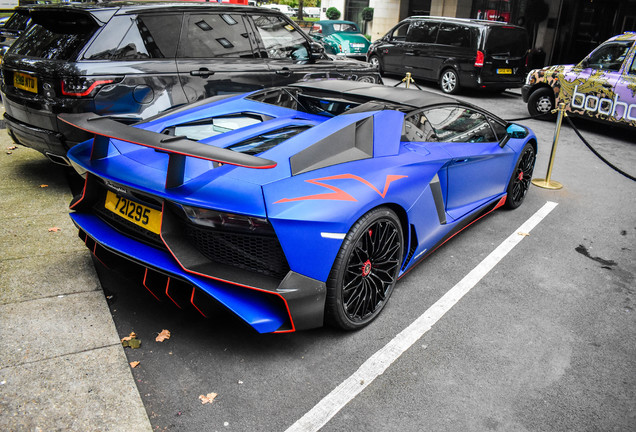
513,131
317,50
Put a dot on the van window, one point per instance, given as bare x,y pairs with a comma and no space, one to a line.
55,36
454,35
215,36
132,38
423,32
507,42
609,56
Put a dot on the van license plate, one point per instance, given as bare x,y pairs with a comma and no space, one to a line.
25,82
504,71
136,213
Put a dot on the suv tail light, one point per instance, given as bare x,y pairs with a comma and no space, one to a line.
84,86
479,60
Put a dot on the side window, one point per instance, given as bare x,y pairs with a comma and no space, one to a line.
423,32
280,39
632,70
609,56
418,128
399,34
131,38
454,35
459,124
215,36
500,129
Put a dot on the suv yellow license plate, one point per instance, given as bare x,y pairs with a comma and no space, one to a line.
25,82
504,71
134,212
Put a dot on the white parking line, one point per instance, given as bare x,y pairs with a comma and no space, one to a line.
329,406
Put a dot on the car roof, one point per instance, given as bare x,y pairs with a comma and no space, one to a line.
334,22
128,6
472,21
369,92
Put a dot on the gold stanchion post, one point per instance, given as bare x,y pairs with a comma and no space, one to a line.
547,183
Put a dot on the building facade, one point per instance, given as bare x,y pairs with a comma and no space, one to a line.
562,31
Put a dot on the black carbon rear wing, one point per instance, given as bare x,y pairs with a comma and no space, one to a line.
178,148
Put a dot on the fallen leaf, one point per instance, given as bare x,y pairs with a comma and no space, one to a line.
132,335
9,152
523,234
209,398
54,229
165,334
134,364
131,341
12,147
43,185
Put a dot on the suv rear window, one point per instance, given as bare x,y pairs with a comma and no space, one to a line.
507,42
17,21
55,36
129,38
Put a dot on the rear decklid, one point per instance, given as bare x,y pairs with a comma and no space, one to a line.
505,54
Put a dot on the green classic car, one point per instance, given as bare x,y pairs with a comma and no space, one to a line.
340,38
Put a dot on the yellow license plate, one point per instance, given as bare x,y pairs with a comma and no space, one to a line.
504,71
134,212
25,82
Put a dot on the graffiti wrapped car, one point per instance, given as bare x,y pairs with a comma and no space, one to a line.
601,87
292,206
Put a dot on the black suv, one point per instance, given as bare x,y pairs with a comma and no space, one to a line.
454,52
132,61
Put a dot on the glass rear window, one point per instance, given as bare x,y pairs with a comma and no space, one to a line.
267,141
55,36
507,42
210,127
132,38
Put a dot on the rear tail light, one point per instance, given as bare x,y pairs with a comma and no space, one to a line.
479,60
340,48
84,86
316,28
228,221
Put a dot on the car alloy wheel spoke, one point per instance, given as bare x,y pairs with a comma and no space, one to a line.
371,269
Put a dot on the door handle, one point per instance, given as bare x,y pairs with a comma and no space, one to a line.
202,72
284,71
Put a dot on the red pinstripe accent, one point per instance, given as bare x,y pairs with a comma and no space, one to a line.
195,306
167,288
226,281
501,202
83,194
145,286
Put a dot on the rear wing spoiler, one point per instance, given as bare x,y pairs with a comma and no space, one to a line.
178,148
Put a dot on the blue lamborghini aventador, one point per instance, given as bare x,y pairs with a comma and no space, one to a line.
292,206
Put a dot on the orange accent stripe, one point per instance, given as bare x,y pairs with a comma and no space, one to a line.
195,306
167,288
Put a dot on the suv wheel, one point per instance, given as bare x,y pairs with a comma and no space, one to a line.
449,82
541,103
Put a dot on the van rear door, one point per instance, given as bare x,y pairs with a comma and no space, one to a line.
505,54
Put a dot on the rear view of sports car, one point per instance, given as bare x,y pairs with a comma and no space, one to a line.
296,206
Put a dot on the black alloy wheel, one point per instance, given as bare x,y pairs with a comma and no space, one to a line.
365,270
521,176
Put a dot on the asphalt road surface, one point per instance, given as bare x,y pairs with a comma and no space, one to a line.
543,342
